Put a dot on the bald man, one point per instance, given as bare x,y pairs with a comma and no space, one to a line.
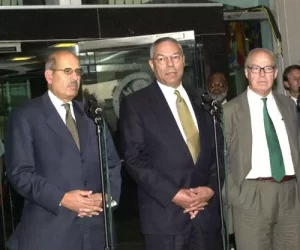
262,137
217,87
52,161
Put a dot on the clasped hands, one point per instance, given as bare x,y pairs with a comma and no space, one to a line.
85,203
193,200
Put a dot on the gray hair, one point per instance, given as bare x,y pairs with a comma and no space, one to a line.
51,61
267,51
163,39
53,57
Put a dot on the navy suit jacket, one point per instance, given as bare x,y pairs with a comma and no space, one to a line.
158,159
43,163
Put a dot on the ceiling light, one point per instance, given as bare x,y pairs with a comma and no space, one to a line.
25,58
64,45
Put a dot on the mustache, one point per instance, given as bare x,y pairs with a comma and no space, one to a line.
74,82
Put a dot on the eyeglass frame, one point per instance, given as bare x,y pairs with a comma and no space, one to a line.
261,68
78,72
166,58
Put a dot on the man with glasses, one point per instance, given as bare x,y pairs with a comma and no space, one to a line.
169,151
52,161
217,87
262,138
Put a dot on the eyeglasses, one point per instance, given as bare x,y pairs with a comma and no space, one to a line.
257,69
69,71
164,59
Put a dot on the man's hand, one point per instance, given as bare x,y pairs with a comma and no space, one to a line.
203,194
184,198
97,201
79,199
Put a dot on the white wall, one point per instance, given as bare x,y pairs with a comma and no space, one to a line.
288,20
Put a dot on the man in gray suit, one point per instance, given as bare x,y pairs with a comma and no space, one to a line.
262,138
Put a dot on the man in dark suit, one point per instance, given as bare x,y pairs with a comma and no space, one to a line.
169,151
52,161
262,138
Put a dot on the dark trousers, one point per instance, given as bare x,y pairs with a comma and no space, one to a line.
196,240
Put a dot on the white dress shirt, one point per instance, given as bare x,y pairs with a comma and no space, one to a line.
171,98
260,151
294,99
58,104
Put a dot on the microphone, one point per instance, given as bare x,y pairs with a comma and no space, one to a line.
204,100
92,108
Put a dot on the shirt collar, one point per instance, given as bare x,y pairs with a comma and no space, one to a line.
256,98
56,101
170,90
294,99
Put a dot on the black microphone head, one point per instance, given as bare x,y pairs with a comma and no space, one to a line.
92,107
201,93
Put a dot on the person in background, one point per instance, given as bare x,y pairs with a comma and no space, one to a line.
217,87
169,151
52,161
291,80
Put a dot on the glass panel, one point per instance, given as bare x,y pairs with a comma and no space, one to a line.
110,73
13,93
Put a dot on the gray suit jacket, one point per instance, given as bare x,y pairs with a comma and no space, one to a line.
238,138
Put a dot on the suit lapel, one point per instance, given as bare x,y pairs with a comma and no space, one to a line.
205,139
167,122
82,125
55,122
290,124
244,131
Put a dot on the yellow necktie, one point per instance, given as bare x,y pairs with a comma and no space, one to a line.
189,127
71,124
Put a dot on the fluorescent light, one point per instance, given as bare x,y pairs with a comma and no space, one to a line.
64,45
25,58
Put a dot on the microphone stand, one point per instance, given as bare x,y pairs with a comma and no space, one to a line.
216,114
98,120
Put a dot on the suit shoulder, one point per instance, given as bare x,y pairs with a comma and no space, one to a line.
79,104
285,99
232,104
29,108
139,95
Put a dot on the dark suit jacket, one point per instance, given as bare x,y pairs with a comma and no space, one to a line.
43,163
159,161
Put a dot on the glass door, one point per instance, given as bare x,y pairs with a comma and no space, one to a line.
114,68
